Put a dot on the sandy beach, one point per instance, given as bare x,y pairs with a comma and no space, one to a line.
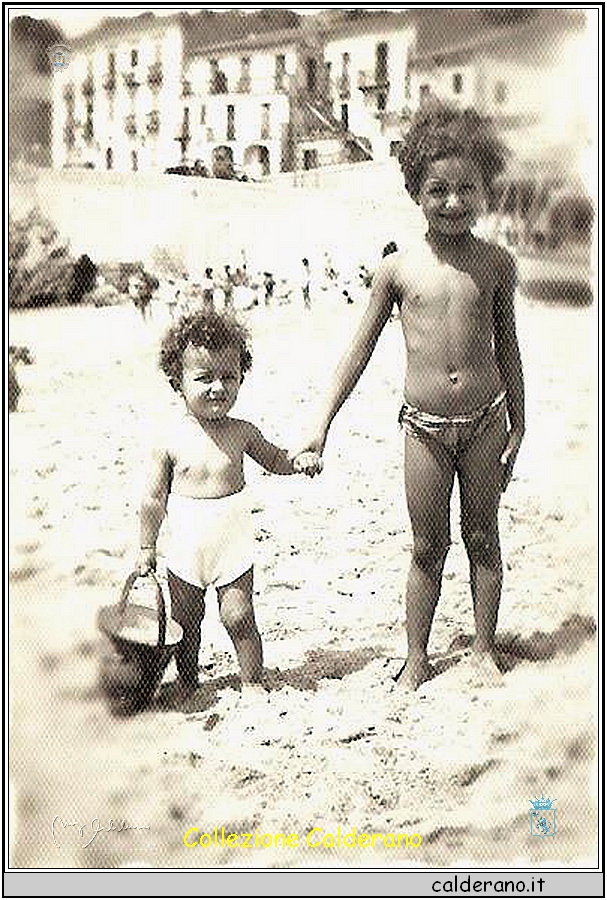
337,745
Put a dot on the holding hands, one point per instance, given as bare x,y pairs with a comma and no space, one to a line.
307,462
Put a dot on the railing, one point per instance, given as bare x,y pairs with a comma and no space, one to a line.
153,123
155,75
244,85
88,88
343,87
131,82
369,80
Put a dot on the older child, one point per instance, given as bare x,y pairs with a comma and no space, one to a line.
196,478
464,410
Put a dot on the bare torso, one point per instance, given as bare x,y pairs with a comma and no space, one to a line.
208,461
446,304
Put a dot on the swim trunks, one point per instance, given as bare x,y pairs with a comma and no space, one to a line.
453,433
211,540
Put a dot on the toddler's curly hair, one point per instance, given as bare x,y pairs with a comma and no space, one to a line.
439,130
205,328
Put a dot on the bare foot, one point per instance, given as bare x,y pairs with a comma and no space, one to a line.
252,693
485,671
416,671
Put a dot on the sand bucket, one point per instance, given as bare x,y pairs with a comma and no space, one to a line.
139,644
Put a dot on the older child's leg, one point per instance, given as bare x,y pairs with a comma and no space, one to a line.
238,616
187,608
429,473
480,477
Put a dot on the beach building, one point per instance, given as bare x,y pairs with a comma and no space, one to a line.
523,73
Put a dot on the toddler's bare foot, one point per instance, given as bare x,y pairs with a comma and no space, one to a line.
416,671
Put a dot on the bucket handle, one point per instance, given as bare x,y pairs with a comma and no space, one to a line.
162,616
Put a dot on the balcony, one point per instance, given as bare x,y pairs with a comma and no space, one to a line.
88,88
155,76
131,82
88,132
109,83
343,87
69,135
130,126
370,81
153,123
244,85
218,83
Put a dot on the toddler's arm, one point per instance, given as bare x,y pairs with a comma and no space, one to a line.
153,507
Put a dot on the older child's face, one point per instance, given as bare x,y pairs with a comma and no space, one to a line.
211,380
452,195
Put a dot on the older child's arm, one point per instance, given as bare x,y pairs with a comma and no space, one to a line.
508,359
275,459
358,354
153,507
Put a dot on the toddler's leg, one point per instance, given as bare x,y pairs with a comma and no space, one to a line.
238,616
187,608
429,473
480,476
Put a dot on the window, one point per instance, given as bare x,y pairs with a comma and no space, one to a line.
280,72
203,114
344,115
134,161
345,61
109,158
408,86
500,92
244,85
424,92
381,63
134,57
311,73
265,121
310,159
231,127
111,63
458,83
382,101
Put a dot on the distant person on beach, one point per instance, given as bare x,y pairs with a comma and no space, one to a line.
268,284
228,288
305,282
196,478
463,410
208,286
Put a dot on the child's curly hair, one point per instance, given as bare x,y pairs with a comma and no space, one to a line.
439,130
208,329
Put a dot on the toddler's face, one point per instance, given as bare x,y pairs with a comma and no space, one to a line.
211,380
452,195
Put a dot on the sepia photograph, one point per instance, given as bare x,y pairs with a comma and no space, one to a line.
324,282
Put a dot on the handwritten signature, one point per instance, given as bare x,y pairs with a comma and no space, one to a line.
95,826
